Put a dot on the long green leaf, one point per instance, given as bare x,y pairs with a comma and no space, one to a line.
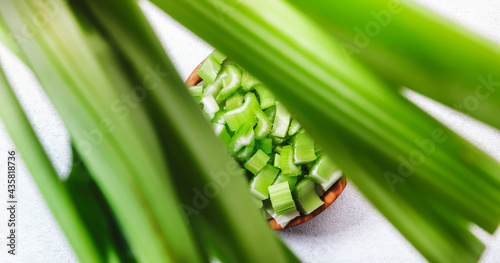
85,83
360,122
412,46
57,196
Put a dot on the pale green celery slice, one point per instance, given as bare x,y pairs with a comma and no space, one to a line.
281,198
243,114
303,149
323,170
221,132
209,69
283,220
244,154
287,164
248,81
197,91
281,121
277,160
234,101
219,117
306,197
231,83
218,56
294,127
260,183
332,180
271,113
264,125
292,180
210,106
257,162
215,87
278,149
266,97
266,145
243,137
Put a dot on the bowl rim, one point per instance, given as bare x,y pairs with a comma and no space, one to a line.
328,197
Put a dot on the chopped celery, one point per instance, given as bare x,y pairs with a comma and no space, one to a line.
266,145
265,96
234,101
292,180
260,183
323,170
196,91
219,117
209,69
281,121
243,137
244,154
278,149
271,113
231,83
264,125
277,160
243,114
281,198
257,162
294,127
303,149
332,180
218,56
277,140
283,220
287,164
221,131
306,197
214,88
248,81
210,106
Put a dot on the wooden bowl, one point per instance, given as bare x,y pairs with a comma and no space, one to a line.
329,197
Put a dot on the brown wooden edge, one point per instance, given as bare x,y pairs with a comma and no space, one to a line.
329,197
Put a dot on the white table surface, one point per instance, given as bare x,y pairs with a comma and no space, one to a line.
351,230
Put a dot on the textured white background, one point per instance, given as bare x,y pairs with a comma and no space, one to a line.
349,231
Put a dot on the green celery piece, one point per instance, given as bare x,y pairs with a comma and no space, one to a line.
277,160
260,182
303,149
243,114
266,145
332,180
218,56
248,81
243,137
209,69
323,170
234,101
282,220
294,127
214,88
463,76
372,124
264,125
197,91
210,106
221,132
266,97
278,149
306,197
271,113
287,165
219,117
281,121
281,198
230,83
292,180
257,162
244,154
